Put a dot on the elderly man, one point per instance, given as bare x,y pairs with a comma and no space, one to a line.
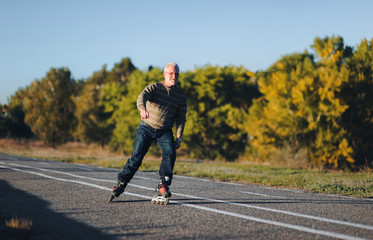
161,105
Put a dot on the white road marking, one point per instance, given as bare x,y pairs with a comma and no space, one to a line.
300,191
348,197
72,175
44,163
250,218
283,189
193,197
283,212
276,223
213,200
186,177
263,195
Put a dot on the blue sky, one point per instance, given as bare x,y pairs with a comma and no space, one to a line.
85,35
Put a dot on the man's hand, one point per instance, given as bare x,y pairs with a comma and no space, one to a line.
178,143
144,114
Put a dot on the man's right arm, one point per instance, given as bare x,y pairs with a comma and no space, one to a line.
143,97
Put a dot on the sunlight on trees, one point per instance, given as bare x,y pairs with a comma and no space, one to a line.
319,102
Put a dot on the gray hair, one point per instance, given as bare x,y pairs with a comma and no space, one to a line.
172,64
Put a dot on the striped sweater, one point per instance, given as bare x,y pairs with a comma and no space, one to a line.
165,106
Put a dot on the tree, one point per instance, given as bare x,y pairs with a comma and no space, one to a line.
91,115
98,100
4,121
126,115
284,115
331,147
15,126
301,107
357,94
50,108
216,98
123,70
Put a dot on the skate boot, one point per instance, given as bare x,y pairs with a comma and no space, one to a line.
118,190
162,193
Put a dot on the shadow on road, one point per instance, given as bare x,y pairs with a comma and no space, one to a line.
46,224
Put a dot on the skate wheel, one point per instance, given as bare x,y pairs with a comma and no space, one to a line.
160,200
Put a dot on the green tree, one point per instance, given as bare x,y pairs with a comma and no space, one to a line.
50,108
15,119
91,115
123,70
357,93
4,121
98,100
126,115
217,96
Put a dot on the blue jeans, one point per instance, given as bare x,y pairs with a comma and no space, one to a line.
145,135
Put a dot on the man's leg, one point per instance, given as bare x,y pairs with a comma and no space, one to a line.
141,146
166,143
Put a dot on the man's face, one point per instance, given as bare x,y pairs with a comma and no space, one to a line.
170,76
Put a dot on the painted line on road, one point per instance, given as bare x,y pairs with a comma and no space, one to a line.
283,189
72,181
70,174
263,195
276,223
186,177
44,163
250,218
357,225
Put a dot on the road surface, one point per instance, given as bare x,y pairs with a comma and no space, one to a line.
69,201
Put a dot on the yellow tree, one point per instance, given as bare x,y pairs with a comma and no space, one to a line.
284,114
301,108
331,147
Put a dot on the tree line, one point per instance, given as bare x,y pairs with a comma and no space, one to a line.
319,102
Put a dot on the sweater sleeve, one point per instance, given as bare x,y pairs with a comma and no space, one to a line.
145,95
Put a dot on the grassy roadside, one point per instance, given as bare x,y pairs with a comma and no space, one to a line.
332,182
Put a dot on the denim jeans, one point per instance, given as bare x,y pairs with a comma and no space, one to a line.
145,135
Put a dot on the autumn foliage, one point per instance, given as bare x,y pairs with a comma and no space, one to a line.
319,102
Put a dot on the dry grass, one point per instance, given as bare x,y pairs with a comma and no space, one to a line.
35,148
19,228
19,224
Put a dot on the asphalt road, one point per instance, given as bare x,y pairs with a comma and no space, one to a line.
69,201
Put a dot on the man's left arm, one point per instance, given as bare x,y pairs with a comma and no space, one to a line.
180,123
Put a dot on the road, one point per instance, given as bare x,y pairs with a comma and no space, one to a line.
69,201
